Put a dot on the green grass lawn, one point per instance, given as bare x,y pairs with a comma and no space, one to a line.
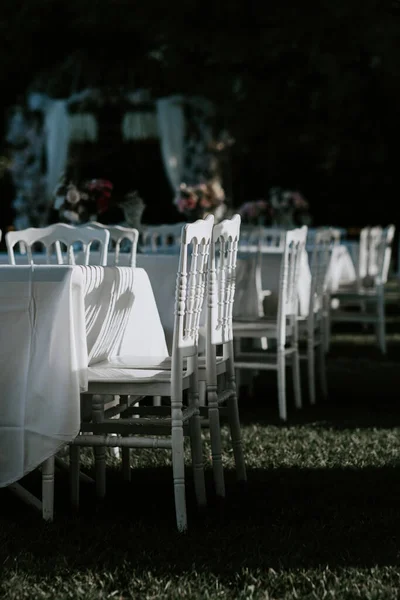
319,518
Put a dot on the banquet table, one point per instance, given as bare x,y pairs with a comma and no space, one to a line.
161,269
56,321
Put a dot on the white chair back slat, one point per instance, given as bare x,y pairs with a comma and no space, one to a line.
221,280
190,286
118,235
53,236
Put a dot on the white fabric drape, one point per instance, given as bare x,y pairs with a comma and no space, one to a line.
171,125
139,126
57,128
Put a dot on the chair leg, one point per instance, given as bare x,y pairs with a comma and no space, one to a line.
234,425
202,393
99,451
178,468
196,445
311,368
156,400
48,489
381,323
327,324
296,366
74,461
322,369
125,452
282,385
215,435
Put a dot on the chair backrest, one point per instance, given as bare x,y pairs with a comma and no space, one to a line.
221,280
370,239
161,238
53,236
251,236
191,285
295,242
324,239
118,235
336,234
385,254
288,294
272,237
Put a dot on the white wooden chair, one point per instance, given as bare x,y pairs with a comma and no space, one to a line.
161,238
369,291
220,369
51,238
283,328
118,235
130,376
217,373
312,328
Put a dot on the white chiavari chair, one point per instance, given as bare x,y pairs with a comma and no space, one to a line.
283,328
312,327
131,376
218,370
369,291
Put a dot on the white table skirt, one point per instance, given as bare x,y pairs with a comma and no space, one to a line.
54,322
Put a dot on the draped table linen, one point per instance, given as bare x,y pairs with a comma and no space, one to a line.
55,321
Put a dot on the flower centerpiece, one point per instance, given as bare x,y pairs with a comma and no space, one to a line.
257,212
288,208
198,201
82,203
284,208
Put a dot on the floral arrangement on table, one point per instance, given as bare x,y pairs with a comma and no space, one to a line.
81,203
198,201
284,208
289,208
257,212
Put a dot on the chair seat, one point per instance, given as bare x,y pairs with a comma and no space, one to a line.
110,371
265,326
150,363
353,291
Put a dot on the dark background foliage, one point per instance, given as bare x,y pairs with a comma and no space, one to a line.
310,91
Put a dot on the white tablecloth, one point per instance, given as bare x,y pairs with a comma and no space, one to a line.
54,321
341,269
246,302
